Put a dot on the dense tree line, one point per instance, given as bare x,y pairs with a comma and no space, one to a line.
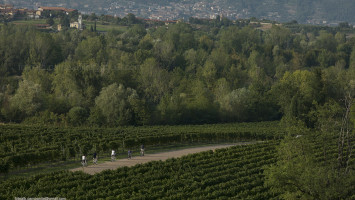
176,74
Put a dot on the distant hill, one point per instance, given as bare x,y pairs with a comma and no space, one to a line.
304,11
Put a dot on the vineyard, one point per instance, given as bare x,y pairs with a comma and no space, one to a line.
232,173
21,146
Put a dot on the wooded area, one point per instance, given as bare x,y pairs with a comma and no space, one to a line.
176,74
208,72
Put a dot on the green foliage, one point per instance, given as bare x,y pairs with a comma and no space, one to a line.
234,172
96,117
77,116
29,98
181,73
296,93
153,80
91,48
309,162
301,174
46,143
114,104
50,21
65,21
65,86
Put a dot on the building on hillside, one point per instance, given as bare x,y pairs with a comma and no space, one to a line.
40,10
79,24
6,6
9,11
74,25
32,14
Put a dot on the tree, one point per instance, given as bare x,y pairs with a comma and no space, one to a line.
50,21
39,76
65,87
153,80
65,21
326,41
236,105
340,37
113,102
343,25
29,98
315,163
296,93
92,17
77,116
279,36
300,173
90,49
96,117
44,51
131,19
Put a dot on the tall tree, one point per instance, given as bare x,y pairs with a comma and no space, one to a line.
29,98
114,104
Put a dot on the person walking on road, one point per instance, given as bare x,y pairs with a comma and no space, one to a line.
129,154
142,150
83,160
94,158
113,155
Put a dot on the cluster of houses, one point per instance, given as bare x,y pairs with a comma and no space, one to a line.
42,12
10,12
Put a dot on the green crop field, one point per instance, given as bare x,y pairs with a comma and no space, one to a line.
232,173
105,27
22,146
30,22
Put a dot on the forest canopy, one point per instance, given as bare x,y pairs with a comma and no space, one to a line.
176,74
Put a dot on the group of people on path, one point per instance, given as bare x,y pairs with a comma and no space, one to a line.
113,156
84,162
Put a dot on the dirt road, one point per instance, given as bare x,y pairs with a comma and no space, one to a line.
93,169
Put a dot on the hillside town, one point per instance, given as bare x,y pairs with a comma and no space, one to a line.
170,11
202,9
175,10
11,11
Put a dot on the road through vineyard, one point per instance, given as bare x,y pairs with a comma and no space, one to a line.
93,169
